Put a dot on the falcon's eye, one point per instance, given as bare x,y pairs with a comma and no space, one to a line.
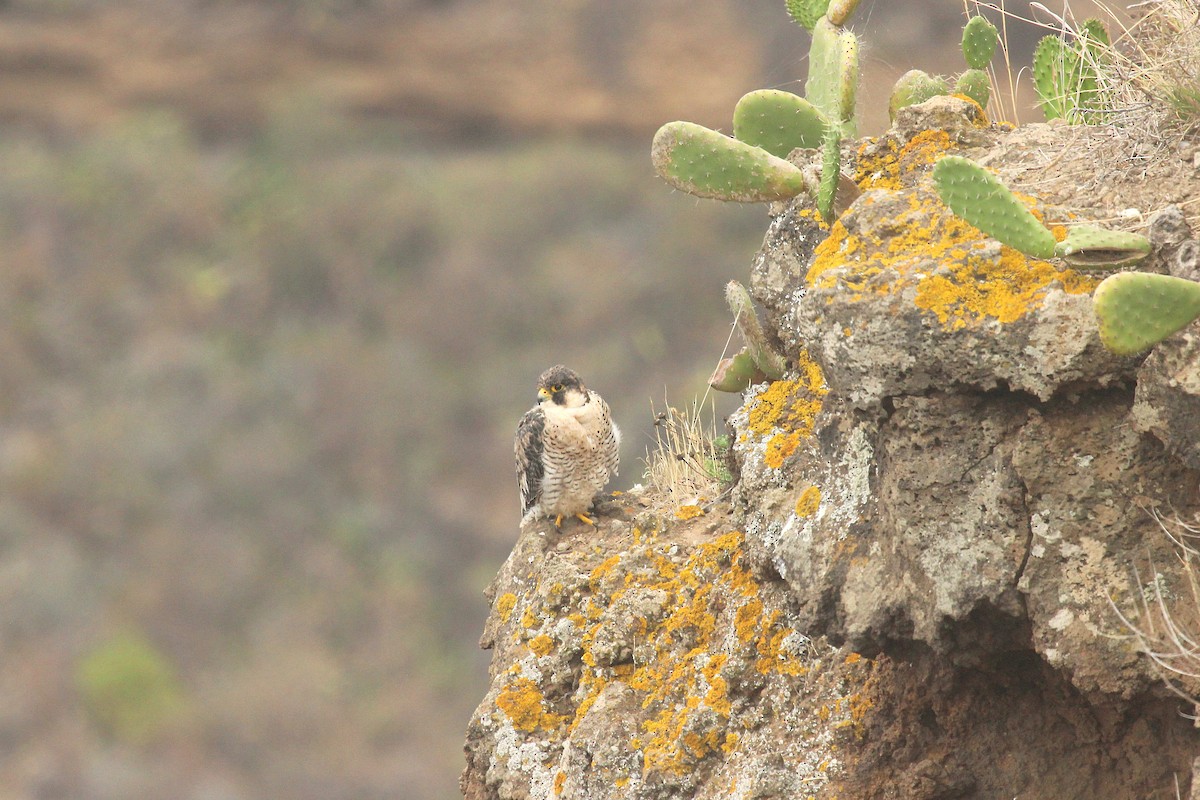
556,388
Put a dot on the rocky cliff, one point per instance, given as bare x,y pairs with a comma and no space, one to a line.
944,558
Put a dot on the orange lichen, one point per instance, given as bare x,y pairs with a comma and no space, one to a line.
505,604
772,657
786,411
808,502
958,274
684,686
604,568
560,780
780,447
747,619
812,214
886,165
522,701
541,645
689,512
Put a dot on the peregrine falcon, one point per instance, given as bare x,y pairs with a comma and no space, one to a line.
567,448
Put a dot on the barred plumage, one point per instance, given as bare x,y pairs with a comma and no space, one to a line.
567,448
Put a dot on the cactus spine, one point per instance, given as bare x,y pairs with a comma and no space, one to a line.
975,84
1136,310
1088,246
769,124
833,73
913,87
831,173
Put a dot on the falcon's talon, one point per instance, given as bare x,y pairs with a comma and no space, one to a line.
558,521
585,519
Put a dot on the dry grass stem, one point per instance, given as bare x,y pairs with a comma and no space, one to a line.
687,463
1166,623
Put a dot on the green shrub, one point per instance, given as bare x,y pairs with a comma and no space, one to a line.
129,688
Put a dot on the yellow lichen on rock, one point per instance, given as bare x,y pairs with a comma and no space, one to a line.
687,512
541,645
522,701
683,681
808,502
883,164
505,604
786,411
955,272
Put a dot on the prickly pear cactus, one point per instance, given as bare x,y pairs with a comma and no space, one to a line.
831,165
913,87
1067,74
778,122
1089,247
975,84
736,373
833,73
807,12
840,11
771,363
981,199
706,163
979,42
1136,310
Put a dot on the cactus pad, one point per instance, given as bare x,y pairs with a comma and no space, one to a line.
833,74
777,121
915,86
1087,246
705,163
975,84
831,173
807,12
1066,74
981,199
1137,310
771,363
735,374
979,43
840,11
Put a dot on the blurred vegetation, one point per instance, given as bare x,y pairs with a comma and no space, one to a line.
130,688
256,404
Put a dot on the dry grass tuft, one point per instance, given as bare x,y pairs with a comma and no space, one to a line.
1166,624
688,463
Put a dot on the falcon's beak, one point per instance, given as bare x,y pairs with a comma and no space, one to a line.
543,394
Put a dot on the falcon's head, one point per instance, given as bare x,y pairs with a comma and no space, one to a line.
562,386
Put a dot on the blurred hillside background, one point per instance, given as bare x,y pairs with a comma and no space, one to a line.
276,281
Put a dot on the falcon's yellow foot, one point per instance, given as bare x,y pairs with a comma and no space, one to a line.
558,521
584,518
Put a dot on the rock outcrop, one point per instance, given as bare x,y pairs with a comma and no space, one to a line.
943,558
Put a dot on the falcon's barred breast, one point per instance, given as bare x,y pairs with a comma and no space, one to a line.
567,448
